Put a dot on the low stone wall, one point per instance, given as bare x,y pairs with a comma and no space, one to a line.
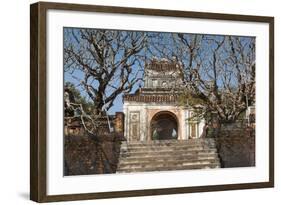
237,149
74,126
91,155
88,154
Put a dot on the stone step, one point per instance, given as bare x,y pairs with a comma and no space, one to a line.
165,155
170,168
171,142
166,144
167,148
170,152
168,162
168,156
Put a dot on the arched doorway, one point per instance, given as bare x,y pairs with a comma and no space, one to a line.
164,126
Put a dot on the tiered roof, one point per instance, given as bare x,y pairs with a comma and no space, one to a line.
157,94
160,98
163,65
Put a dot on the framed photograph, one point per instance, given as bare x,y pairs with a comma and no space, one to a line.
135,102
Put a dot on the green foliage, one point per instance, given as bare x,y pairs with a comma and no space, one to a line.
187,98
87,105
195,102
242,115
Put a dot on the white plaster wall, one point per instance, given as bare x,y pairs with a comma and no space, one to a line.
186,124
132,107
184,135
125,111
143,108
201,126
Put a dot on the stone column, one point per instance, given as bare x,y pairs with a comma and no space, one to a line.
119,122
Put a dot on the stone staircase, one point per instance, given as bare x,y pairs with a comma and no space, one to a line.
165,155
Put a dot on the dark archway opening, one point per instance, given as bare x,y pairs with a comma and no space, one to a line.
164,126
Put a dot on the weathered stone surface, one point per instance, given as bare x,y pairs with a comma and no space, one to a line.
165,155
91,155
237,150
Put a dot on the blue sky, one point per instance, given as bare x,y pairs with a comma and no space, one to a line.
118,104
164,42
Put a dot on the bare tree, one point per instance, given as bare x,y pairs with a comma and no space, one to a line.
106,63
219,72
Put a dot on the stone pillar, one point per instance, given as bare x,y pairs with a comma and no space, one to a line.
119,122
